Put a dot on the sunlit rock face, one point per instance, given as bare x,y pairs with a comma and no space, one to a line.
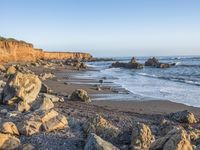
13,50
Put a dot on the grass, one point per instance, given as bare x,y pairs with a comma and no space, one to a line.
11,40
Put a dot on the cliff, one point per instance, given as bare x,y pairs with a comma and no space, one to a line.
12,50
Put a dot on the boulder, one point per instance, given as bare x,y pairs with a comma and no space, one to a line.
8,142
30,124
153,62
141,137
101,127
131,65
11,70
94,142
52,120
80,95
9,128
21,87
42,103
79,65
184,117
176,139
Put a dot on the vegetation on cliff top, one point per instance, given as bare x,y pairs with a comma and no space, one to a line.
12,40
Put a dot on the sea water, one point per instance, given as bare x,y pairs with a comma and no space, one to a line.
180,83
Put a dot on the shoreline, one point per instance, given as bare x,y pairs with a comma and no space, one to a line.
113,97
120,114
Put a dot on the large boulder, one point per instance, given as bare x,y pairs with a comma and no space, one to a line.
40,120
80,95
94,142
52,120
8,142
101,127
21,87
30,124
141,137
176,139
153,62
184,117
133,64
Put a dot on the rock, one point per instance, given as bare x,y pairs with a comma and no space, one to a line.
30,124
79,65
42,104
13,50
28,147
4,111
101,127
8,142
53,98
46,104
2,68
52,120
194,135
45,89
162,65
9,128
45,76
80,95
35,64
153,62
141,137
25,87
2,83
23,106
11,70
131,65
177,139
184,117
94,142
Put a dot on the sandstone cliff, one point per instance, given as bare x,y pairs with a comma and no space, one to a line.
13,50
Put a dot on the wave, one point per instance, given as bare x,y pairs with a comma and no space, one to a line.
176,79
187,65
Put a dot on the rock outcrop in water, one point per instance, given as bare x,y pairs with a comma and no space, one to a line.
133,64
153,62
12,50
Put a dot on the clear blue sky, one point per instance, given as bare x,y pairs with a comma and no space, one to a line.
105,27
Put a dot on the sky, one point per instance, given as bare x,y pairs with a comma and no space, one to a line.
105,27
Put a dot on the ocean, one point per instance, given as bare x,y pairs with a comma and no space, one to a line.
180,83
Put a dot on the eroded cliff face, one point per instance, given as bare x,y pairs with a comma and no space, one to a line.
11,51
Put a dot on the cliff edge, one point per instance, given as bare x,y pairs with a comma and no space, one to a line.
12,50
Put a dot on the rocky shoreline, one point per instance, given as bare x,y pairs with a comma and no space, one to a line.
40,109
